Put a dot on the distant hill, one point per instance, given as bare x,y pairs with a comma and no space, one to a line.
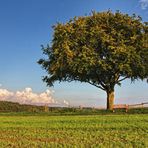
6,106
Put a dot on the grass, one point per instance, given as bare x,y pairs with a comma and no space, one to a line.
74,131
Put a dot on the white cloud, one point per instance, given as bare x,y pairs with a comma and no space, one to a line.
144,4
5,94
66,102
27,96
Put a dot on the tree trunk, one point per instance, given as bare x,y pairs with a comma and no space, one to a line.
110,100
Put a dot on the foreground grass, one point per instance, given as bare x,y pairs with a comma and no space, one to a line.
74,131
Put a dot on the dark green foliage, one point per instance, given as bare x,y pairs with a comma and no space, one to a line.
102,49
98,49
16,107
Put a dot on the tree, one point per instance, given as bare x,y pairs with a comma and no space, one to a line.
102,49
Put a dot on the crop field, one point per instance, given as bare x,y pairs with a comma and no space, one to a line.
74,131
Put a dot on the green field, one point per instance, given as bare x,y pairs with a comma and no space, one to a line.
74,131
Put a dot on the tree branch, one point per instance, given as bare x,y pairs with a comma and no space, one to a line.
102,84
91,83
95,85
122,79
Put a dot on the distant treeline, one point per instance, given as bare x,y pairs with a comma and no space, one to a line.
6,106
9,107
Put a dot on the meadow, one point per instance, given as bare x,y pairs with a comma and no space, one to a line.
31,131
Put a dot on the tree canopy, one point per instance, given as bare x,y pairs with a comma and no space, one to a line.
102,49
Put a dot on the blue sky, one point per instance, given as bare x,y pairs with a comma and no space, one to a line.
26,24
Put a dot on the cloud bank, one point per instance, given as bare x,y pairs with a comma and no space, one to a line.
144,4
27,96
66,102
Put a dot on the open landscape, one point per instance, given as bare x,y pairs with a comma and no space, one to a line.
36,126
124,130
73,74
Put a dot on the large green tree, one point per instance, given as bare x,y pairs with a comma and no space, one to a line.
102,49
